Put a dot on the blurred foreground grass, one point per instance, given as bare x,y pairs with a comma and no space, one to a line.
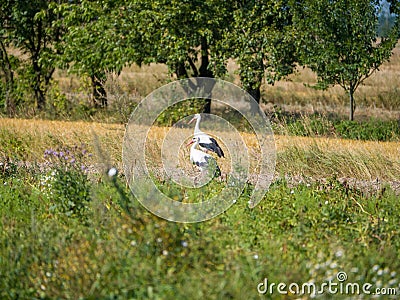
114,249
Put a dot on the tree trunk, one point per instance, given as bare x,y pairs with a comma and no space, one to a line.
6,67
40,98
352,104
99,93
205,72
256,94
180,70
41,81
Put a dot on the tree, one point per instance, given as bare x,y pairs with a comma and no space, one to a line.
94,42
109,34
338,41
181,33
7,60
28,27
260,39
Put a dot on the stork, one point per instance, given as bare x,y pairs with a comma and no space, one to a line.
206,141
203,161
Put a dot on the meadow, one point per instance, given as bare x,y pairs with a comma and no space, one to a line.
68,230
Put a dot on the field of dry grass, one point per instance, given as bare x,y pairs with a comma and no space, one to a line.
303,157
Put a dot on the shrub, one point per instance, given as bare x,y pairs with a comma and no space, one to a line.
67,183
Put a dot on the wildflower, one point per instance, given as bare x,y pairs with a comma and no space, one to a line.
292,191
112,172
184,244
255,256
133,243
354,270
165,252
159,240
339,253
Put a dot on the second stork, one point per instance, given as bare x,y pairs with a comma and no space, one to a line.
206,142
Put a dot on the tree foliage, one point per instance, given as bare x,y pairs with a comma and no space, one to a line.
338,41
182,34
28,27
336,38
260,39
94,42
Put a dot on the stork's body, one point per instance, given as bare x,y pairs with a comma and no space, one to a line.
202,160
206,142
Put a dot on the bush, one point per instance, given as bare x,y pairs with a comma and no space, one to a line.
67,183
373,129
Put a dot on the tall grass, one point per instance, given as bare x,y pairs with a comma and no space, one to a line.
310,156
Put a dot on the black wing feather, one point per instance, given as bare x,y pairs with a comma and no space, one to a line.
214,147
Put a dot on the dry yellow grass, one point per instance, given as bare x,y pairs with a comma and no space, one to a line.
350,158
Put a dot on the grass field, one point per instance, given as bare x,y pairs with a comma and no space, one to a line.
69,232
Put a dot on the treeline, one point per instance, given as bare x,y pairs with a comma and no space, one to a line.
337,39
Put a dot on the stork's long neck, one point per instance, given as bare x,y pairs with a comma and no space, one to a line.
197,126
194,145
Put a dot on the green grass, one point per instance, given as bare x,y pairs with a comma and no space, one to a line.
66,233
321,125
297,233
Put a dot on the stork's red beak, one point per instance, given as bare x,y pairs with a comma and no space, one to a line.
191,142
194,118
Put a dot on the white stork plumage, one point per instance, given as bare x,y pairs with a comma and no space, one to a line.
206,141
201,159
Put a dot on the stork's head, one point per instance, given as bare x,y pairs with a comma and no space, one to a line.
196,117
193,140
